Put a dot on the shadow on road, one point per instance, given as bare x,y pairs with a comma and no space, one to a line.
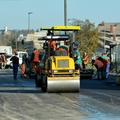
99,84
19,91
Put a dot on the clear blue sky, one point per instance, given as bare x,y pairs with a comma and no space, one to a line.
13,13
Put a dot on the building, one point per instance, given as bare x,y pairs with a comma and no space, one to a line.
109,33
110,40
32,40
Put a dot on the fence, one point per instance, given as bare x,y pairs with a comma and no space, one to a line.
115,59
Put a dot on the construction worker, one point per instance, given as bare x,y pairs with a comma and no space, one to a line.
53,46
106,62
4,60
25,64
100,67
15,61
77,59
85,60
23,70
61,50
35,58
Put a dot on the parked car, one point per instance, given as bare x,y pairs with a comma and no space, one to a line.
9,63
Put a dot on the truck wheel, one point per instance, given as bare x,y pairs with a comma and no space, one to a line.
38,80
44,83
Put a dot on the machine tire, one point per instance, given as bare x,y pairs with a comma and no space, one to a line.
44,83
38,80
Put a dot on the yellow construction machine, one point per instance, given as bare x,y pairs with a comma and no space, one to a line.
57,71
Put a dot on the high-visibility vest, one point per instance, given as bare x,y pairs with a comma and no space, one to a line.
78,56
52,44
36,56
99,63
86,59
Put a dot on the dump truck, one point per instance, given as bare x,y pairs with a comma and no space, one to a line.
56,72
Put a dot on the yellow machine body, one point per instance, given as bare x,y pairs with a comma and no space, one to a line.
62,65
59,73
62,28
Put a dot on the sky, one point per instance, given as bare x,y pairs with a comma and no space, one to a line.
14,13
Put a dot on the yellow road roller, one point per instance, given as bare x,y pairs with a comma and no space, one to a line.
57,71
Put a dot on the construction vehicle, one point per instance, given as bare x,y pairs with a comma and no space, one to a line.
56,72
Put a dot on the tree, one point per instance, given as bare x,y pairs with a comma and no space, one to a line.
87,36
11,36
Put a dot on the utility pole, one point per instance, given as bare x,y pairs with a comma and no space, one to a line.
29,13
65,12
16,45
104,42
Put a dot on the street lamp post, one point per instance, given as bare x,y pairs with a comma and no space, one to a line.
16,44
104,39
29,13
65,12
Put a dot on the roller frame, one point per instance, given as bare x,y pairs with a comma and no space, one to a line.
62,84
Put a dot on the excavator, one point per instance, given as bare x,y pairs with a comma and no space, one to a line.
56,72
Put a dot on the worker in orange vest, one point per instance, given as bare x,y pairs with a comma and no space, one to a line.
35,59
36,56
53,46
85,60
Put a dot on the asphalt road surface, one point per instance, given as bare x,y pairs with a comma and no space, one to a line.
97,100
